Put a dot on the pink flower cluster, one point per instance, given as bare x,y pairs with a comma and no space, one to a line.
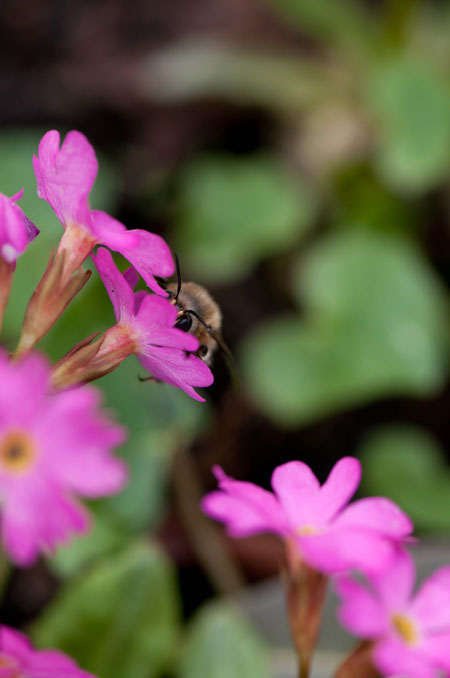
410,634
18,659
145,323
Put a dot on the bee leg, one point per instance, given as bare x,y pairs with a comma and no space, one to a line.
150,378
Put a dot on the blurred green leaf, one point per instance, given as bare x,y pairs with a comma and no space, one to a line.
234,212
374,327
120,618
341,23
410,101
406,465
221,644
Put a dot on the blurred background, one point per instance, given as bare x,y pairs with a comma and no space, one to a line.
296,155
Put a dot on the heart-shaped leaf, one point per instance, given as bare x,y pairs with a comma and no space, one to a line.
221,644
406,465
120,618
374,327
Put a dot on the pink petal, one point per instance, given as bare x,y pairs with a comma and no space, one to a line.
395,584
344,549
431,605
437,649
297,489
65,176
177,368
155,319
242,518
151,256
37,519
14,644
360,611
261,500
112,233
118,289
131,276
376,513
340,485
394,658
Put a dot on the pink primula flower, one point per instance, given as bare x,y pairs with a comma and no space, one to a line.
52,447
18,659
411,633
65,177
330,536
16,230
145,327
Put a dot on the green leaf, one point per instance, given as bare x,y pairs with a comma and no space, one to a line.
374,327
406,465
234,212
120,618
410,100
341,23
221,644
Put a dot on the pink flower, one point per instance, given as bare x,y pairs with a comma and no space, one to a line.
411,633
65,177
52,447
18,659
145,327
330,536
16,230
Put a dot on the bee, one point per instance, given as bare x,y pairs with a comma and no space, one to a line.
198,314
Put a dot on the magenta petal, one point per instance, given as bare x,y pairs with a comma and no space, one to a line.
177,368
395,584
394,658
340,485
345,549
242,518
14,644
376,513
131,276
431,605
260,499
297,487
65,176
360,611
156,318
110,232
151,256
437,649
118,289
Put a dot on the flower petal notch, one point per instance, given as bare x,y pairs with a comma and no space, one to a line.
52,448
329,535
65,176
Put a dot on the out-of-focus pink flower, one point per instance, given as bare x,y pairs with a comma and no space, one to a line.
330,536
16,230
145,327
411,633
65,177
18,659
52,447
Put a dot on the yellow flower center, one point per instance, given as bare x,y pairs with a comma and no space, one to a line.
405,628
17,452
305,529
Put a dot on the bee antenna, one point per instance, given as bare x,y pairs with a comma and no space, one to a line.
177,264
